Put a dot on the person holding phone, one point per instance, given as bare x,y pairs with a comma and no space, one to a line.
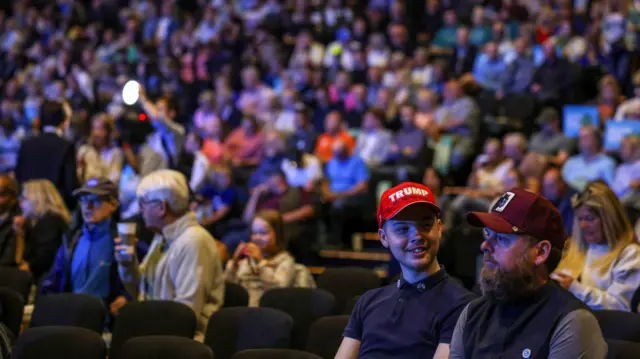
262,263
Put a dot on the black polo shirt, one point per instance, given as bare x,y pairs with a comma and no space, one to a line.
405,320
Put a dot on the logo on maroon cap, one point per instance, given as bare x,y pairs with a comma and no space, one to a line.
503,202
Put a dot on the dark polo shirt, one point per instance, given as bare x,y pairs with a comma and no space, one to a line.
405,320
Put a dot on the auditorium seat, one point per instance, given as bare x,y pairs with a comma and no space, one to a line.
620,349
325,335
12,306
275,354
345,283
59,343
16,279
156,317
235,296
69,309
351,303
619,325
304,305
164,347
231,330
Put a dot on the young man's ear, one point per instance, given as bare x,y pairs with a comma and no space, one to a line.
383,238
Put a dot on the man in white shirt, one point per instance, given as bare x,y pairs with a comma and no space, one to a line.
183,263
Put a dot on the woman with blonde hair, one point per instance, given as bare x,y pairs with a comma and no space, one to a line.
45,220
100,157
601,263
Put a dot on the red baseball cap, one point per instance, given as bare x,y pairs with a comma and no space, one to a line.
397,198
523,212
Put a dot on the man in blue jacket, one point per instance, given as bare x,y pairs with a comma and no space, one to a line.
84,263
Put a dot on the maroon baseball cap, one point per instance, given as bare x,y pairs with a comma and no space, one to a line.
523,212
397,198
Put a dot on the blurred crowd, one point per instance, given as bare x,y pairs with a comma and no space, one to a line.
313,108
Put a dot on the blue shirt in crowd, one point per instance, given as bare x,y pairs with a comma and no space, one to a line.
344,174
577,171
489,72
91,262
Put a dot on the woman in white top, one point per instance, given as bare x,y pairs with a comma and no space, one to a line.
263,263
601,263
99,157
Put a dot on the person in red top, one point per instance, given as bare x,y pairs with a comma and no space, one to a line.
333,131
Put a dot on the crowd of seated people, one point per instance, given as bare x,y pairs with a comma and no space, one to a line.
309,109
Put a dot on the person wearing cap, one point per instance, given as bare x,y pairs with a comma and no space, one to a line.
415,316
523,314
84,262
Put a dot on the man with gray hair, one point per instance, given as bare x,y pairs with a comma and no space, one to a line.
183,263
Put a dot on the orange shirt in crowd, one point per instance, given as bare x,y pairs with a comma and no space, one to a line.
213,150
324,145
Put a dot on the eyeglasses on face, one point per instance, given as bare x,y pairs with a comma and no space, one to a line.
143,202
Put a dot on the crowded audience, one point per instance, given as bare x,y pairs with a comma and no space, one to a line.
267,132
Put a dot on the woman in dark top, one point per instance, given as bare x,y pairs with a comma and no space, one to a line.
46,220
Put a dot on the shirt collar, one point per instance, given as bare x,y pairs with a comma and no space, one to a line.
52,129
175,229
424,284
98,229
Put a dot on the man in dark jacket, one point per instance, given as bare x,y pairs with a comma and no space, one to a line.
49,155
84,263
522,313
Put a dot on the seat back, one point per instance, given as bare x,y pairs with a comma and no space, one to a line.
16,279
347,282
69,309
165,347
620,349
348,308
275,354
12,306
231,330
59,343
156,317
304,305
235,296
325,335
619,325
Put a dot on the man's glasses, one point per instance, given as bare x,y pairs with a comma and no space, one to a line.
142,202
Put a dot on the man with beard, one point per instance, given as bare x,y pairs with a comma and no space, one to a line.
414,317
523,314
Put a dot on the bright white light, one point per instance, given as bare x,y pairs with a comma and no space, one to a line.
131,92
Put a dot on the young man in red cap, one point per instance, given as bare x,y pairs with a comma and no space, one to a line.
523,314
415,316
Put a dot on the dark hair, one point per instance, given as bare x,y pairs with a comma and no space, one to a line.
377,113
52,113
